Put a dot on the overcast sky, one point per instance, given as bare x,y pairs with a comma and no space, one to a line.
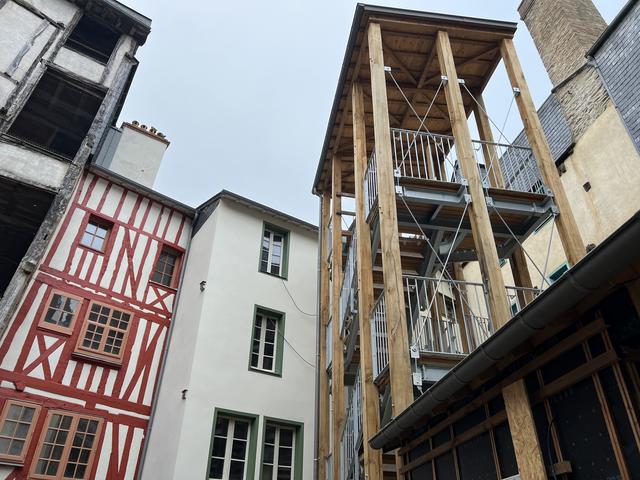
243,90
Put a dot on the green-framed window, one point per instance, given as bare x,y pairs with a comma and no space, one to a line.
282,450
267,341
274,251
558,272
232,454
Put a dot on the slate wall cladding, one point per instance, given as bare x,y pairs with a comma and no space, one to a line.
618,60
559,137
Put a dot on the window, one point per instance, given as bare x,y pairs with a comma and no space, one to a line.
266,341
273,255
58,114
61,312
96,233
281,450
16,428
558,272
66,447
233,446
166,267
93,38
104,332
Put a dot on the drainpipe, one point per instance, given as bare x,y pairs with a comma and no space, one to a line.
156,394
316,417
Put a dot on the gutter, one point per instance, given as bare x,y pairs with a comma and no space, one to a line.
595,271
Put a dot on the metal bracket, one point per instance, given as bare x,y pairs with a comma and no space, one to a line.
387,68
461,81
417,378
516,91
554,210
397,173
464,182
399,190
489,201
467,198
444,79
414,352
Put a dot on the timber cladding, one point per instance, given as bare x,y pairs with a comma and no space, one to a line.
583,385
89,335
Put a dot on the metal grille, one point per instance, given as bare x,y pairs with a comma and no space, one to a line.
379,340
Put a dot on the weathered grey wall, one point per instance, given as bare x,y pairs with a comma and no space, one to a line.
618,60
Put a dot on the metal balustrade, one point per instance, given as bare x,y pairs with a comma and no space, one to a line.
370,184
352,430
347,291
443,312
446,316
429,156
379,340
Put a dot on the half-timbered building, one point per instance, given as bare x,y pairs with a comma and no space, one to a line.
79,362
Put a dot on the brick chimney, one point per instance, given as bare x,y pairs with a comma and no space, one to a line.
136,153
563,31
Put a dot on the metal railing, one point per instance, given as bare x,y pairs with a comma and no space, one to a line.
329,343
352,431
347,291
428,156
447,316
370,184
379,340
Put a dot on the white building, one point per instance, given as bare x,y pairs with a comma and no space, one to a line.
236,399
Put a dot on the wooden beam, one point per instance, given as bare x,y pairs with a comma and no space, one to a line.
566,223
337,365
323,387
523,432
399,62
490,152
478,214
373,465
399,364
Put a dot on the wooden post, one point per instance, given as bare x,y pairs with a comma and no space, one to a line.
373,466
568,230
523,432
521,275
489,150
480,223
337,369
399,362
323,402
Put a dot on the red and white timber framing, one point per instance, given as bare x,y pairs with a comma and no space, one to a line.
38,365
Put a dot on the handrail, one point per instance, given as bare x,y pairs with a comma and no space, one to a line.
379,340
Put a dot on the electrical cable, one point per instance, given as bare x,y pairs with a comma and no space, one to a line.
296,352
294,302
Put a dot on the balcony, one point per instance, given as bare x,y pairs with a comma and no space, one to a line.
348,305
446,318
432,191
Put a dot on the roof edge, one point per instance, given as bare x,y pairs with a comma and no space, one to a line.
247,202
611,27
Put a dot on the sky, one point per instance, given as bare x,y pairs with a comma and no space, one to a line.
243,90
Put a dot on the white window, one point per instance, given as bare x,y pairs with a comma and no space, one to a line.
264,345
229,449
273,254
278,453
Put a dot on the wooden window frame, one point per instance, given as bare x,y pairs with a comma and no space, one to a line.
64,457
19,459
83,352
298,444
102,222
57,328
250,463
278,344
284,256
175,278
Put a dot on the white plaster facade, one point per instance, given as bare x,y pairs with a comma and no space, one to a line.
210,345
